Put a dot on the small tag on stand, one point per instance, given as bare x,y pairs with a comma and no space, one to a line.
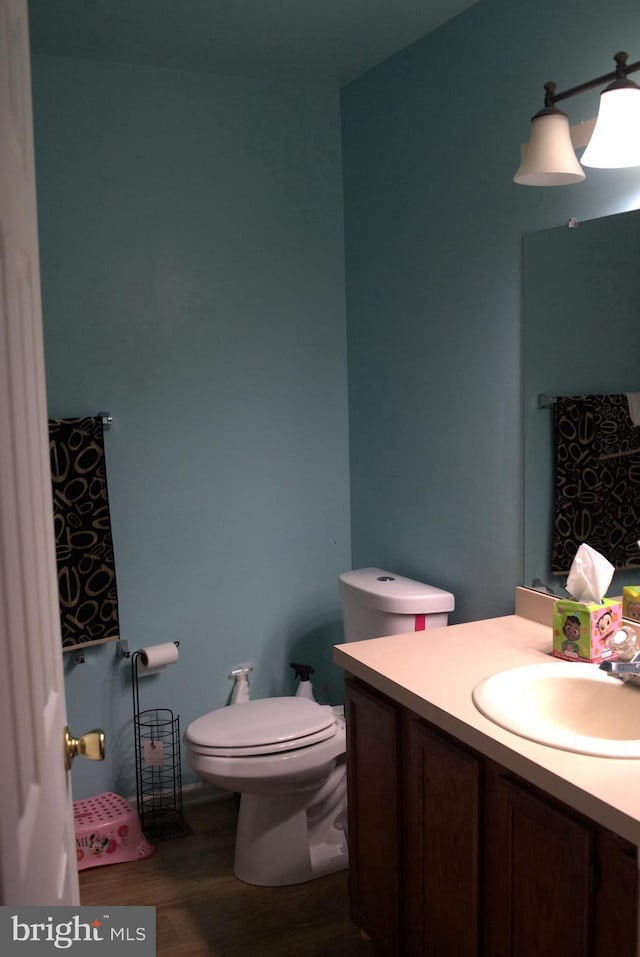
154,753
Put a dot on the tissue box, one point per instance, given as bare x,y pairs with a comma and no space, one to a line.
631,602
580,629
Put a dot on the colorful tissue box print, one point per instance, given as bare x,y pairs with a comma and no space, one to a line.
580,630
631,602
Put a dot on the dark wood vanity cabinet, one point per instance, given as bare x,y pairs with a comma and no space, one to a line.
453,856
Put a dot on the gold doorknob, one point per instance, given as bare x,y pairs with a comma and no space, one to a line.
90,745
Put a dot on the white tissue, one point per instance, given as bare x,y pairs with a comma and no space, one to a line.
589,576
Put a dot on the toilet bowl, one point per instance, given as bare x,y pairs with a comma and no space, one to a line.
286,757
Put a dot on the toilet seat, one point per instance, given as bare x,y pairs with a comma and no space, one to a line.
262,726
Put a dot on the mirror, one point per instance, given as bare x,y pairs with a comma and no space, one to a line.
580,337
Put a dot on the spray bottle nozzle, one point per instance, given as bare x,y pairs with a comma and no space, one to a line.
302,671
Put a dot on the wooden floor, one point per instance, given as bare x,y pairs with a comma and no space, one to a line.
202,909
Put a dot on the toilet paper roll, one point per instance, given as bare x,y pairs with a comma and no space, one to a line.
155,658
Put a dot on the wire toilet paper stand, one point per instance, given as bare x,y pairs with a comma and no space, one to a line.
158,767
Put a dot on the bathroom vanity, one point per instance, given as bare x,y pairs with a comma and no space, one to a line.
466,839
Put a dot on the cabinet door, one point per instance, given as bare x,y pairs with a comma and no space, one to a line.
442,782
616,904
538,875
373,781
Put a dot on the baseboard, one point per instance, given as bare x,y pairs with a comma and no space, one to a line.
200,792
197,793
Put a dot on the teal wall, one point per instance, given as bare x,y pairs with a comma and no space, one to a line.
433,236
192,262
193,285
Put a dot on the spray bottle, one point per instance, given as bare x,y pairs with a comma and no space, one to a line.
240,691
304,686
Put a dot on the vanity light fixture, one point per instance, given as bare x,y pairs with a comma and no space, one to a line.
549,159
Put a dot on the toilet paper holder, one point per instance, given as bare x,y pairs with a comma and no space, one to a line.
123,650
158,764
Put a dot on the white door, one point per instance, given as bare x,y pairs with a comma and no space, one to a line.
37,844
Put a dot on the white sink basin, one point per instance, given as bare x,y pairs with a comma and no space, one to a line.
569,705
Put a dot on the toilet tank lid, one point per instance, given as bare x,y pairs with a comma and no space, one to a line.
386,591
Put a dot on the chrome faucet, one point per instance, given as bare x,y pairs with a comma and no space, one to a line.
622,667
626,665
627,671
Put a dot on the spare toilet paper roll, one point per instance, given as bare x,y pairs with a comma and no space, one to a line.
155,658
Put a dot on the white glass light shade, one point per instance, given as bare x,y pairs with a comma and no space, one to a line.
549,159
615,142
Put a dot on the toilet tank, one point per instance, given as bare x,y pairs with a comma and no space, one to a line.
377,603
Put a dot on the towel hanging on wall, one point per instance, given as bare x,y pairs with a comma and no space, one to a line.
597,480
87,588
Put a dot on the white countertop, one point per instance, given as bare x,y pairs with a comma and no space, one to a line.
433,673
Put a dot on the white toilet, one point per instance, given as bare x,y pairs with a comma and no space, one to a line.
287,756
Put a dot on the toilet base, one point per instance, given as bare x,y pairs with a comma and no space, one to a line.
282,841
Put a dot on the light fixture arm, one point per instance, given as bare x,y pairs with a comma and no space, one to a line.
617,76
